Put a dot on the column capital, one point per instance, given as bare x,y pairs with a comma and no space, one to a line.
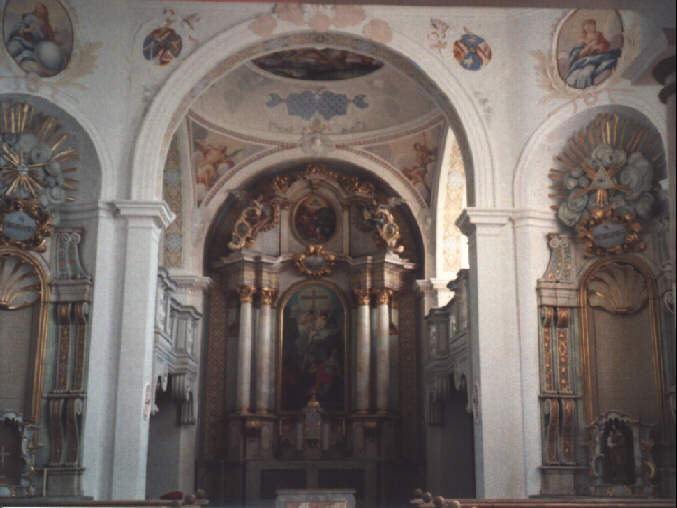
490,220
156,211
246,293
191,283
267,295
382,295
363,296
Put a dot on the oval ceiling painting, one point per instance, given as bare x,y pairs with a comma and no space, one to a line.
312,64
589,46
38,35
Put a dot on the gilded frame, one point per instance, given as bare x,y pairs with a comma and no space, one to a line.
292,219
38,345
589,376
282,302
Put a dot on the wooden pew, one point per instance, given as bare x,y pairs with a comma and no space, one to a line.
426,500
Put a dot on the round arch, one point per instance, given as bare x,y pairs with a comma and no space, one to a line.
238,44
385,173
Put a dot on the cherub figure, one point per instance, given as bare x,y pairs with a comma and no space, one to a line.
212,158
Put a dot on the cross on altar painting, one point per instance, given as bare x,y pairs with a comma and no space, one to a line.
313,349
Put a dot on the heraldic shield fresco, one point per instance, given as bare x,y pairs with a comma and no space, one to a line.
38,35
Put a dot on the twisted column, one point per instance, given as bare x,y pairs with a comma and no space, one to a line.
264,347
244,349
363,350
382,348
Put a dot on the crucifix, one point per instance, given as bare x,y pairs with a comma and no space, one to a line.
313,299
3,456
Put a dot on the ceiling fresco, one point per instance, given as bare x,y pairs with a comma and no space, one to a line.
257,102
314,64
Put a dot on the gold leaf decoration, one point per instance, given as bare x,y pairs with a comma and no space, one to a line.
618,288
19,284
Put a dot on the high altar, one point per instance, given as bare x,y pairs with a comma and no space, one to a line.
318,390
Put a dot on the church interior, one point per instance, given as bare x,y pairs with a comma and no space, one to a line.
321,255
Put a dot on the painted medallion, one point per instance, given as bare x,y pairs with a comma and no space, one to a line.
162,45
38,35
313,64
589,46
314,220
313,349
471,51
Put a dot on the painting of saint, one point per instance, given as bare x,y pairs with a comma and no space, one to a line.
589,46
313,349
38,35
314,220
314,64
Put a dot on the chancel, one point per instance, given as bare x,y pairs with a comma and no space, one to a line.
350,254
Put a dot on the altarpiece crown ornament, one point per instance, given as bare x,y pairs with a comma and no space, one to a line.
261,215
315,261
379,218
33,174
608,185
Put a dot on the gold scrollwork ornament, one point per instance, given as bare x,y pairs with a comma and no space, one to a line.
24,224
605,233
315,261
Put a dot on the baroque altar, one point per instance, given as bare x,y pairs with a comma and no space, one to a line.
310,272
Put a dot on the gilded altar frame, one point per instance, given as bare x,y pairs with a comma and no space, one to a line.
282,302
39,342
589,376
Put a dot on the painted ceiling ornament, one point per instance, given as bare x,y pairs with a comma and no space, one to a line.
325,103
608,185
315,261
591,48
262,214
321,18
378,218
471,51
315,141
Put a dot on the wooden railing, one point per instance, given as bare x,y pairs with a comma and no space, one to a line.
427,500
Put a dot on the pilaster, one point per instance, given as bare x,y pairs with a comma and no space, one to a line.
495,346
144,222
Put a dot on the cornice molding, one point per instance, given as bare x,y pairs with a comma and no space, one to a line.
158,211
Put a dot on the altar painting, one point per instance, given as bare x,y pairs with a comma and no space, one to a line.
313,349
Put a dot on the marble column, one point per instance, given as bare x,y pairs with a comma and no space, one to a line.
264,348
382,349
144,222
244,350
394,348
363,350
